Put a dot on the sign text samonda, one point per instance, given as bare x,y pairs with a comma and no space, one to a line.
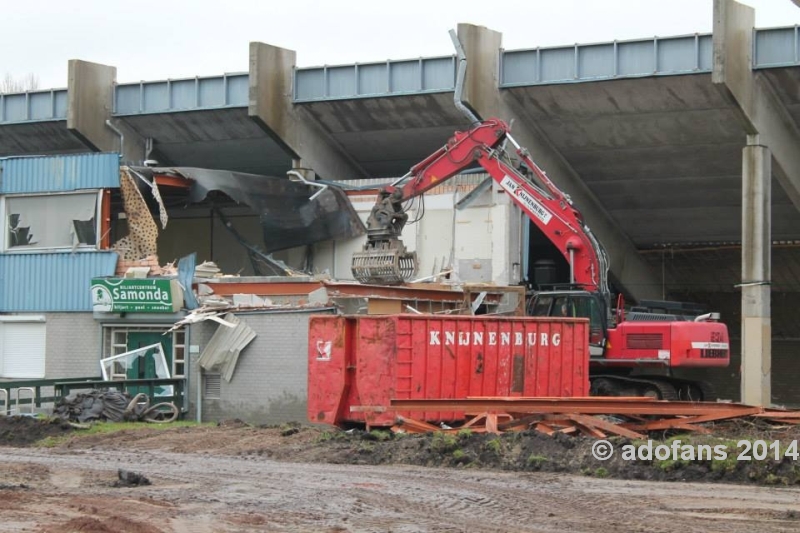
492,338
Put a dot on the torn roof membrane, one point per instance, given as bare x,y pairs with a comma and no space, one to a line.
288,216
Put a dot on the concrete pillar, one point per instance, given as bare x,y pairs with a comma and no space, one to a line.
90,103
482,93
759,107
299,133
756,273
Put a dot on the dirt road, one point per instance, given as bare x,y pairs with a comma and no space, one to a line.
69,490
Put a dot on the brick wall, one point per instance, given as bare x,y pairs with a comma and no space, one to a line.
73,345
270,382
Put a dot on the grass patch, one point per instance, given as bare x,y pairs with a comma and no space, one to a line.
106,428
380,435
444,442
494,446
536,460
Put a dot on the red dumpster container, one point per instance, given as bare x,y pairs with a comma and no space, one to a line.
357,364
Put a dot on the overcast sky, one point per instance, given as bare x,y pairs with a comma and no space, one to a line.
152,40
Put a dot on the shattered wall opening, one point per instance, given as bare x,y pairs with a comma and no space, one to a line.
52,221
245,224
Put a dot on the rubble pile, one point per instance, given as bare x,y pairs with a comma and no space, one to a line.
112,406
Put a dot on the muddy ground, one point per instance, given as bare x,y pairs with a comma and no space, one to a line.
234,477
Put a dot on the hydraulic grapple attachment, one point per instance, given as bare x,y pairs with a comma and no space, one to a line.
384,259
387,264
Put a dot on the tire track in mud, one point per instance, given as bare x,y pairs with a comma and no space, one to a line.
302,496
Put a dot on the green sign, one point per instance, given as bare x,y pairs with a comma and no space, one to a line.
146,295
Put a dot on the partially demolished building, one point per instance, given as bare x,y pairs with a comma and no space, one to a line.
209,277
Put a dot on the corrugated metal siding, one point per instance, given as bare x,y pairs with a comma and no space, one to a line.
588,62
167,96
413,76
59,173
776,47
33,106
51,282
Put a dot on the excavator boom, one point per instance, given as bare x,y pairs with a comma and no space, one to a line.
385,260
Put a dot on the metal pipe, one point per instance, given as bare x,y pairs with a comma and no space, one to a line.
199,393
322,187
121,136
460,75
571,266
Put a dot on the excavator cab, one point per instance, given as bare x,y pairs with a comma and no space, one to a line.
575,304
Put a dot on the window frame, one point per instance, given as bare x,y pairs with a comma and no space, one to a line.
110,345
4,244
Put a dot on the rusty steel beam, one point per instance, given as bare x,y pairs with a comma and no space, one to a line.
682,422
171,180
300,288
359,290
625,399
778,413
353,290
574,405
105,220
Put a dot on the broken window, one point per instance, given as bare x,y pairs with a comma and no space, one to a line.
51,221
148,361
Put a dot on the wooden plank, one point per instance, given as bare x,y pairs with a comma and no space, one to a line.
517,424
599,423
475,420
416,426
589,405
491,423
544,428
590,431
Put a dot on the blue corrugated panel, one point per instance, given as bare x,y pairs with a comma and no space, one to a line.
590,62
33,106
411,76
59,173
52,281
776,47
167,96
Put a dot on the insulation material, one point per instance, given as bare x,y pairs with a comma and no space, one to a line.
162,210
142,229
222,351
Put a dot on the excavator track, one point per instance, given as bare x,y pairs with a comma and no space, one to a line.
610,385
694,391
664,388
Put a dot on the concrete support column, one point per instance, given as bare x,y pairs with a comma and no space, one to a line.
271,106
90,104
756,273
760,109
483,94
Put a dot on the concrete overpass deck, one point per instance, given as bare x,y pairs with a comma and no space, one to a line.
639,124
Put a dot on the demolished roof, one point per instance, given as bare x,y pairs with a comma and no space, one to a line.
289,215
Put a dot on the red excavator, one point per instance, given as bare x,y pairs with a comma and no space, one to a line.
633,353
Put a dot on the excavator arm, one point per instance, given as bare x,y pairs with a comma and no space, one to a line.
384,259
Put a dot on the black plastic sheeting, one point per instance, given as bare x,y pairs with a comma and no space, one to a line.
288,218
